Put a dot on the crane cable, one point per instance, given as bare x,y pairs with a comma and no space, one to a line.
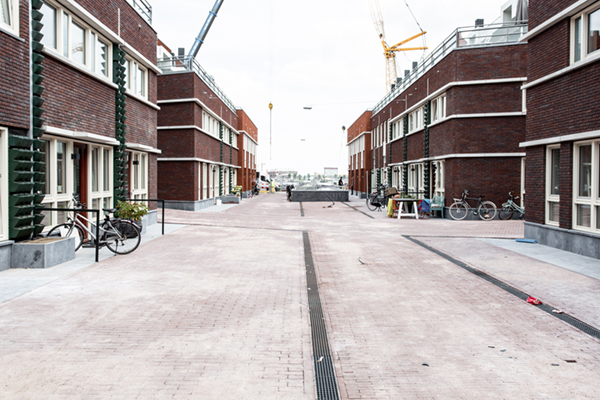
419,25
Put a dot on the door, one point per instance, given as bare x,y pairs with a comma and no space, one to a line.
80,178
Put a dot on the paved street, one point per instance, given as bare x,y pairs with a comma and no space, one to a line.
218,309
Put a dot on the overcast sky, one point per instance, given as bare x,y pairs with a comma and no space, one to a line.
312,52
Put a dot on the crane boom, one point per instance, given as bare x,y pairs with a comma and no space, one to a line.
212,14
389,52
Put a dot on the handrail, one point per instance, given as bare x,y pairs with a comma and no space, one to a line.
143,8
187,63
163,209
97,212
462,37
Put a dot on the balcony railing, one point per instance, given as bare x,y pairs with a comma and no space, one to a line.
467,37
180,64
143,8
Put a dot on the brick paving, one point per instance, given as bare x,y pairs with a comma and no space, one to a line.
217,310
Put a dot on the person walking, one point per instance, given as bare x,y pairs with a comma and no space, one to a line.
341,182
272,187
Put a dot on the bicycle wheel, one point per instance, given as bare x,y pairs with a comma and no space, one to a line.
68,229
505,213
123,237
487,210
458,211
370,202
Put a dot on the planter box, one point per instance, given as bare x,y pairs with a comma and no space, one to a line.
230,200
42,253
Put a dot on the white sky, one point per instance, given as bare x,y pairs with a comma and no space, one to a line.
296,53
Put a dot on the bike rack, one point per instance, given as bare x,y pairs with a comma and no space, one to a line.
162,206
97,212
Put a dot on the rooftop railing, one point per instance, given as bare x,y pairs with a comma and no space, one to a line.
466,37
181,64
143,8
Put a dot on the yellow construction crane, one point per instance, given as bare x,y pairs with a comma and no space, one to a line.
391,71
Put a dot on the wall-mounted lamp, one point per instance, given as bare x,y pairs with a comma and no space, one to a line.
75,156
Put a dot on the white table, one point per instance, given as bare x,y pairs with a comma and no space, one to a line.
404,204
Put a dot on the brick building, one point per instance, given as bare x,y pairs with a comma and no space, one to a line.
456,119
563,126
200,131
359,154
92,129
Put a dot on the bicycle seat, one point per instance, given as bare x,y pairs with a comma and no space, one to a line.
110,210
482,195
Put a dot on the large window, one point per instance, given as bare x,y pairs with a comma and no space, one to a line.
415,120
438,178
585,33
9,16
586,186
438,108
139,175
552,185
100,159
60,179
3,184
73,39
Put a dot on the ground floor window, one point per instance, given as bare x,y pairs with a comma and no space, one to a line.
3,184
439,175
79,168
416,181
138,175
552,185
586,186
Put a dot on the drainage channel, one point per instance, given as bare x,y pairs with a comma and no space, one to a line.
574,322
356,209
326,382
301,210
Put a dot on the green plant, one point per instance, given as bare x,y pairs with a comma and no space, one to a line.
132,211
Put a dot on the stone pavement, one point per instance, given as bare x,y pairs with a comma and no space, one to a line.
218,310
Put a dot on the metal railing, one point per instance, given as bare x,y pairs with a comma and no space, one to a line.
143,8
187,63
465,37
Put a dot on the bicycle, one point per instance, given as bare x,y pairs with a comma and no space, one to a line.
119,235
377,199
486,210
508,208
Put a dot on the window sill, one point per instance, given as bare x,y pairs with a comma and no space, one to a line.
141,99
11,33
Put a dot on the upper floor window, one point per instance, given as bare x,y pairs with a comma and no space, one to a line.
9,12
415,120
438,108
136,78
585,33
71,38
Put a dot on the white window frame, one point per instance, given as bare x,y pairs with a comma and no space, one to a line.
53,198
13,12
140,173
438,108
131,79
440,177
100,198
551,198
594,200
584,15
3,184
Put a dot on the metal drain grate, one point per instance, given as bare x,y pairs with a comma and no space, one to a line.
582,326
301,210
326,382
356,209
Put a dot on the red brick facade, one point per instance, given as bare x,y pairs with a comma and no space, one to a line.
360,162
246,155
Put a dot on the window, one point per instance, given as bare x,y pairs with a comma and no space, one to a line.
135,78
211,125
552,185
61,167
415,120
70,37
3,184
59,179
586,184
9,16
585,33
438,177
139,173
101,176
438,108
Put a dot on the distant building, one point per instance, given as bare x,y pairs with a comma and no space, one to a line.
359,154
329,172
563,125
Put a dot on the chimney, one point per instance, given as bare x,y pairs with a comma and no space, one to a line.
406,72
393,86
479,23
181,52
398,81
415,65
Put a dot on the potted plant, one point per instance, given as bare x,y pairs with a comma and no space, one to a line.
132,211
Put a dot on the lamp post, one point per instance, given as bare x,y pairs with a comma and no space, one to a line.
270,130
214,168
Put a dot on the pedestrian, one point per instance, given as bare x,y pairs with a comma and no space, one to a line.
341,182
272,187
352,186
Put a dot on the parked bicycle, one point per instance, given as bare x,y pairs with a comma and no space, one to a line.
508,208
377,199
121,236
486,210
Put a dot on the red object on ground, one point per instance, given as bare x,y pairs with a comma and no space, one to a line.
533,300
